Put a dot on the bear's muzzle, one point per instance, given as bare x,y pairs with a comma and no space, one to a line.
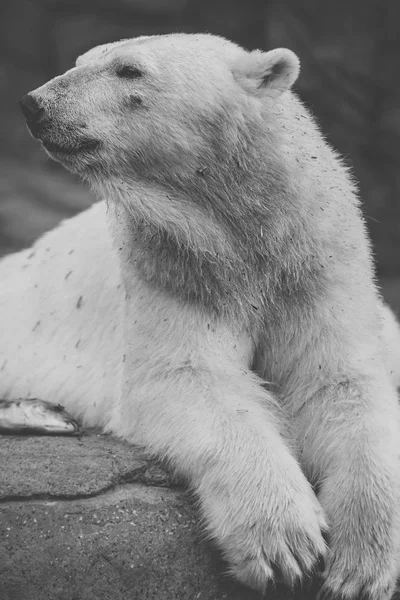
58,138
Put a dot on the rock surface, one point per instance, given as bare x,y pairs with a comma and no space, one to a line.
86,519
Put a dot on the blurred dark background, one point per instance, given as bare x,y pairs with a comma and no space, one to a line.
350,54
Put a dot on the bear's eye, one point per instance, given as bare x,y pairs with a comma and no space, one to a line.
128,72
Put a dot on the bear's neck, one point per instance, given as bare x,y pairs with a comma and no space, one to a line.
254,231
247,269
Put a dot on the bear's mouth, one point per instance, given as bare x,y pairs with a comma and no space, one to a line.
86,145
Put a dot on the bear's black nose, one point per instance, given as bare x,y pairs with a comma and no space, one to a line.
31,108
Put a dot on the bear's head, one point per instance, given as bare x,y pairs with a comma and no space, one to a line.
186,131
138,107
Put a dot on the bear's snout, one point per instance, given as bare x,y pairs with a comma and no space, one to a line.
34,114
62,137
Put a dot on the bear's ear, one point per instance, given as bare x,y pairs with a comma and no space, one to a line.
267,73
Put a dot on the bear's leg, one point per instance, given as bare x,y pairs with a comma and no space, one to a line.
218,429
190,397
349,436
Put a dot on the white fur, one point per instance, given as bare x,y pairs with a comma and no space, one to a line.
268,73
86,322
56,350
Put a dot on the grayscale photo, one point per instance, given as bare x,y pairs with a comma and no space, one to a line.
199,300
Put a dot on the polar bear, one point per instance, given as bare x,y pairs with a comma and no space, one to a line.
218,305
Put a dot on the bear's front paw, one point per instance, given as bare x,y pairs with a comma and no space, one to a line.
271,537
284,549
346,579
